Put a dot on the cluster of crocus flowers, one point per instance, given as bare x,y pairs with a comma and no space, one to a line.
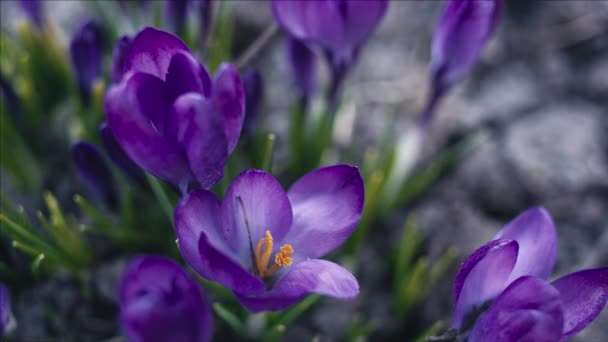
264,243
169,116
159,301
338,27
501,292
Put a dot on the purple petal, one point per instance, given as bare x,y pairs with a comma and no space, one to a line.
253,84
136,110
585,294
327,205
263,205
229,99
176,14
5,308
460,35
535,233
118,155
528,310
93,170
482,277
159,301
186,74
34,11
303,66
311,276
361,18
204,246
197,129
123,44
151,52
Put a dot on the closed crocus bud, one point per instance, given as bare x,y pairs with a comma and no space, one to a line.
86,50
254,98
7,323
170,117
175,15
302,62
33,10
159,301
94,172
118,155
118,57
461,33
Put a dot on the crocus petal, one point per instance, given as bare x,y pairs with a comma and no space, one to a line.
461,33
327,205
528,310
253,83
482,276
151,52
186,74
198,130
203,244
123,44
585,294
161,302
118,155
135,111
303,66
361,18
34,11
535,233
86,50
229,99
311,276
255,202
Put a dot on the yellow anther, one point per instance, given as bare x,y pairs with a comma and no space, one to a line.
262,256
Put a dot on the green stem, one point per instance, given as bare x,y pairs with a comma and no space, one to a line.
161,196
267,156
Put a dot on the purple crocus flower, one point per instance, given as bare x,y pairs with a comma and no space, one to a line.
264,243
302,62
33,10
339,27
86,50
460,35
170,117
501,292
159,301
118,57
5,309
94,172
118,155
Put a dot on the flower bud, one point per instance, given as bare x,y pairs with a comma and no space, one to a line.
86,50
302,62
254,99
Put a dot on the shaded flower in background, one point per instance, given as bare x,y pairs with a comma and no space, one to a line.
118,155
254,95
159,301
339,27
176,13
302,62
95,173
205,8
33,10
170,117
86,50
461,33
118,57
264,243
512,271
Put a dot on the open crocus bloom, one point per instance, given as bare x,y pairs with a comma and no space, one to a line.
264,243
169,116
501,292
340,27
159,301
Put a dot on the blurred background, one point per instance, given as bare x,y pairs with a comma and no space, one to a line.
539,96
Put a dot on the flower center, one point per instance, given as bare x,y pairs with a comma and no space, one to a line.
262,256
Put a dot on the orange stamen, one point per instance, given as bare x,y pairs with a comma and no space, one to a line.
262,256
